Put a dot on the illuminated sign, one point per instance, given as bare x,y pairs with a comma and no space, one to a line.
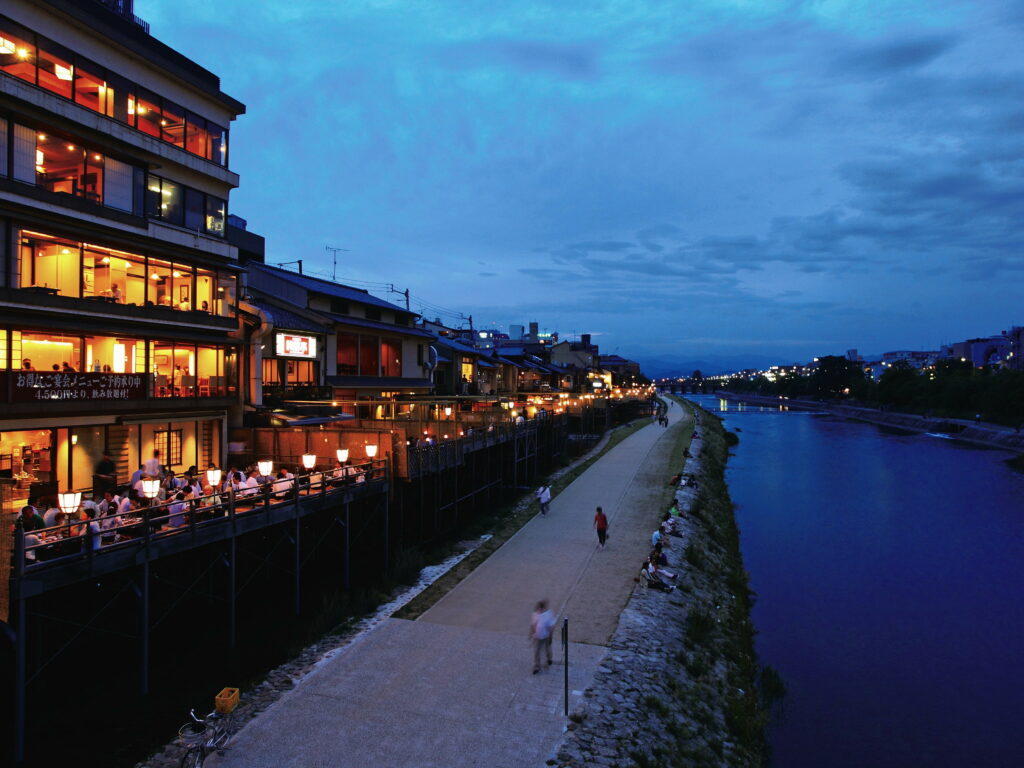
291,345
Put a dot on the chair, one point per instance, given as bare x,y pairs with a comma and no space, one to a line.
204,386
188,385
160,385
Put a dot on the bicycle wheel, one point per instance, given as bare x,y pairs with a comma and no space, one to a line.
193,758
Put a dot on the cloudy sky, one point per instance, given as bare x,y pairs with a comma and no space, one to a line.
705,179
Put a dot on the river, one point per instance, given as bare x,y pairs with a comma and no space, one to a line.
889,570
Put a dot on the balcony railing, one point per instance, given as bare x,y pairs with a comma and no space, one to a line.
84,547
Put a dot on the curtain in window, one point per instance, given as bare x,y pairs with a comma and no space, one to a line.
118,178
3,147
24,154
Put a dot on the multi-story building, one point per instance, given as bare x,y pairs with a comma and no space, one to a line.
369,348
118,317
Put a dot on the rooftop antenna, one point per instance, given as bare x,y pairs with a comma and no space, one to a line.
286,263
334,267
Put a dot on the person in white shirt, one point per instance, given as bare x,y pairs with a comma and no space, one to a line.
544,497
541,624
251,487
283,485
176,510
153,467
50,517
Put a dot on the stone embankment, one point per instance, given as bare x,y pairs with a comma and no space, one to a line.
991,435
678,685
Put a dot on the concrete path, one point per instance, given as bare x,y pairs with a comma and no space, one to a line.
454,688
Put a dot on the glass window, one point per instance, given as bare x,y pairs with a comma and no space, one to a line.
369,356
24,165
271,371
391,357
215,215
301,372
3,349
206,281
159,282
181,287
218,143
91,187
121,98
118,183
3,147
165,200
116,275
174,369
17,52
172,124
50,352
210,372
147,112
231,370
348,354
195,208
56,72
51,263
197,140
110,354
91,88
226,283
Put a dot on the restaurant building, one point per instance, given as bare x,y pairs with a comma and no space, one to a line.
118,313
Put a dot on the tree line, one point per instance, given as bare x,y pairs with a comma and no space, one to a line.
951,389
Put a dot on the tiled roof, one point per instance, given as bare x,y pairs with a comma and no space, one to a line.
326,287
285,319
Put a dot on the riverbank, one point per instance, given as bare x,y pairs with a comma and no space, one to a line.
679,684
989,435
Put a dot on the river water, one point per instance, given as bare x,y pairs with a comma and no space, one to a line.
889,570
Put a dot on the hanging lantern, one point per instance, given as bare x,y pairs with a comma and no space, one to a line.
342,455
309,460
265,467
213,477
447,410
371,451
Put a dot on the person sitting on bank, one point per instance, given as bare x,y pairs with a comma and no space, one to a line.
656,560
30,519
649,576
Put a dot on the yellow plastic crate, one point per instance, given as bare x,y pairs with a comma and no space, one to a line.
226,701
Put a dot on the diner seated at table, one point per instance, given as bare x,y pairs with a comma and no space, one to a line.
283,485
176,509
30,520
50,516
251,486
32,543
91,530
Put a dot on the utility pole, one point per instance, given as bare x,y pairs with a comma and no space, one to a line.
392,289
334,267
297,261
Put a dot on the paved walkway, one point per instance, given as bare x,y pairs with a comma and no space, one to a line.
454,688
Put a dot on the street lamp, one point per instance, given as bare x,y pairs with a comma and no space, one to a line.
150,487
69,502
309,460
213,477
342,455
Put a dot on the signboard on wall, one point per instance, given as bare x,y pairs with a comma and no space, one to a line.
294,345
32,386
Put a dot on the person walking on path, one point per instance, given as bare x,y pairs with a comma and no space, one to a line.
601,524
544,497
541,624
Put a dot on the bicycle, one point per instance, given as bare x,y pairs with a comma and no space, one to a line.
202,736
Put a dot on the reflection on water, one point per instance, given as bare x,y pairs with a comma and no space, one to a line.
888,573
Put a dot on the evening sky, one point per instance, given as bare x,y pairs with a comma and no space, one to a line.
680,179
